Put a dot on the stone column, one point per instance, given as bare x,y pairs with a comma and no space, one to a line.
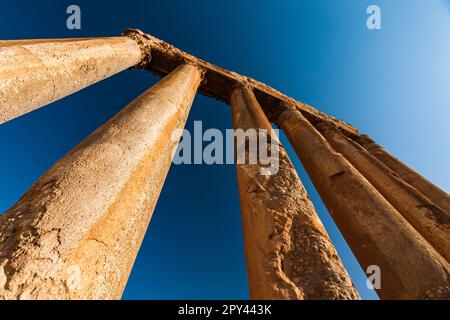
75,234
9,43
428,219
376,232
34,73
289,254
427,188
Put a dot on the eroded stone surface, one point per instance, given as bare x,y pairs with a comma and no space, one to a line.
34,73
76,232
426,187
289,254
428,219
376,232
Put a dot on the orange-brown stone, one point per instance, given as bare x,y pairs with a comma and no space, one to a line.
422,184
376,232
289,254
428,219
75,234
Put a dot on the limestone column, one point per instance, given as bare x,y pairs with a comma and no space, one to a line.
289,254
75,234
34,73
376,232
428,219
427,188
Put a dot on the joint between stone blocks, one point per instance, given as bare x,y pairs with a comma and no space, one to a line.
143,42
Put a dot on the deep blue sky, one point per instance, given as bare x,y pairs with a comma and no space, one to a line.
392,84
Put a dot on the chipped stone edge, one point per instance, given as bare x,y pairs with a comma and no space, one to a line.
149,43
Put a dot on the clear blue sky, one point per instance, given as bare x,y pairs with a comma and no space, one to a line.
392,84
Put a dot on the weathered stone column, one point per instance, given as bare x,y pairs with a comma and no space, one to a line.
75,234
36,73
427,188
289,254
376,232
428,219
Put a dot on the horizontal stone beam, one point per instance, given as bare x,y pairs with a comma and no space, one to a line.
218,82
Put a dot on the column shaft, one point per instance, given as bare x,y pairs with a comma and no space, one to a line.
426,187
75,234
289,254
376,232
9,43
428,219
36,73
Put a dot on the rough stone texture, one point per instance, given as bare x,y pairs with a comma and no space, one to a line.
34,73
75,234
427,188
289,254
15,42
219,81
376,232
428,219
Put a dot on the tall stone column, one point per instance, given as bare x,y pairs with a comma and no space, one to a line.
427,188
75,234
289,254
428,219
36,73
376,232
9,43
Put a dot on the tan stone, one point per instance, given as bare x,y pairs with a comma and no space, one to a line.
289,254
75,234
426,187
34,73
376,232
8,43
428,219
